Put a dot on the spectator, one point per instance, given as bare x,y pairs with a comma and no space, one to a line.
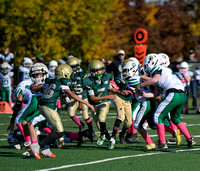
33,59
7,56
40,58
185,76
106,63
193,66
115,66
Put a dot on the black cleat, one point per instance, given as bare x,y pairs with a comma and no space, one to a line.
161,146
191,143
133,138
122,138
81,127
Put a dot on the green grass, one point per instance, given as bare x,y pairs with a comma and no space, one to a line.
173,159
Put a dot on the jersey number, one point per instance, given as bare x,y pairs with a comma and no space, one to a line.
48,90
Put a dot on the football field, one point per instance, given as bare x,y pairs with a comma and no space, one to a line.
97,158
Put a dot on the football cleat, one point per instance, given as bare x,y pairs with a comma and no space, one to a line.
191,143
27,144
122,138
37,156
161,146
133,138
46,152
111,144
28,153
101,140
61,142
149,147
81,127
178,137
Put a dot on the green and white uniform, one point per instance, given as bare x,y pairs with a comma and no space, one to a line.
30,110
52,90
25,73
175,96
5,91
144,108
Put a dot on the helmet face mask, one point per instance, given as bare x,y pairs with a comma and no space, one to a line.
27,63
63,71
52,65
150,61
183,67
38,73
97,68
131,68
164,59
5,68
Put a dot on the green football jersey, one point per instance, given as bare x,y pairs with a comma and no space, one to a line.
100,88
52,90
77,85
122,84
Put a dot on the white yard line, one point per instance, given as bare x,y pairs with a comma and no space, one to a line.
116,158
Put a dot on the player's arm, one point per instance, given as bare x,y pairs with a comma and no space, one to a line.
36,87
16,109
149,82
74,96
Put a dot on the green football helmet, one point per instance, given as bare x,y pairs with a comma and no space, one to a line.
73,62
96,65
63,71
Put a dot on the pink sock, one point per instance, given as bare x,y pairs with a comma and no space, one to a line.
184,130
161,132
129,130
47,130
34,142
169,129
73,136
88,120
76,120
59,104
116,128
23,105
19,125
173,126
27,138
147,138
133,130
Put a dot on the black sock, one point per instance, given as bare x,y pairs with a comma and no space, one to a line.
89,124
116,127
104,130
50,138
123,132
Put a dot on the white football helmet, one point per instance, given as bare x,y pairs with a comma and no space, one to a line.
39,68
164,59
150,61
27,62
131,68
183,67
5,68
52,65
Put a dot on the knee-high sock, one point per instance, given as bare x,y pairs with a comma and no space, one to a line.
161,132
76,120
184,130
146,136
173,126
26,138
104,130
116,127
133,130
89,123
59,104
169,129
47,130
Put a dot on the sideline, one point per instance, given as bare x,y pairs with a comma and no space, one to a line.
116,158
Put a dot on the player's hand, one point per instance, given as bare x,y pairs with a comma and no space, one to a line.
137,89
10,127
111,96
91,107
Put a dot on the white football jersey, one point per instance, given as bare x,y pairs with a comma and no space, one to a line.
168,79
25,72
5,79
24,88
